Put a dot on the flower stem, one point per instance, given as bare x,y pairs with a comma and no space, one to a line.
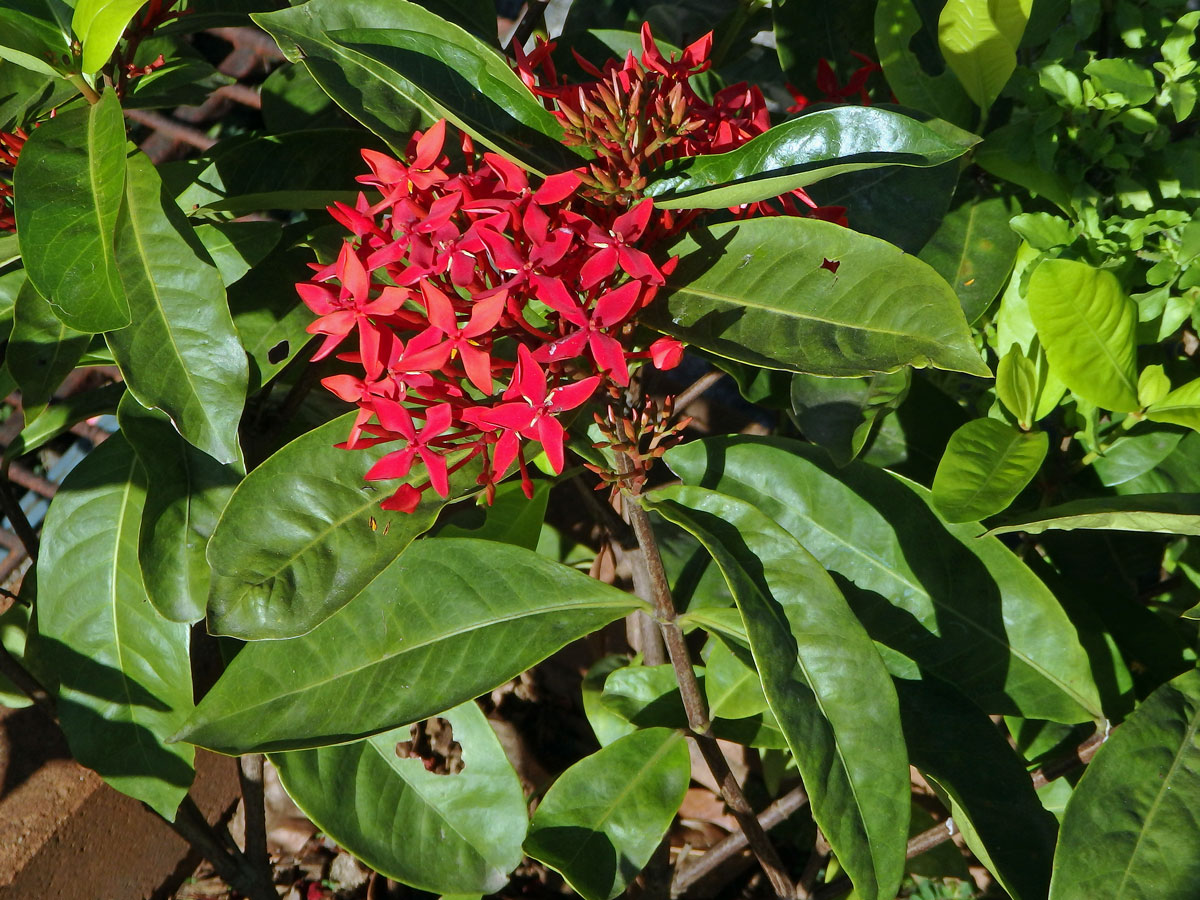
693,699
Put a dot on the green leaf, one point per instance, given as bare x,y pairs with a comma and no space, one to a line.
898,30
806,32
986,464
60,415
760,292
606,724
1157,513
1179,407
68,187
1087,326
1135,454
421,828
98,25
1014,325
822,677
802,151
237,247
511,518
839,413
979,41
934,592
295,543
10,250
953,743
32,41
186,489
1130,826
974,250
1017,385
1153,385
393,66
42,351
601,821
732,687
124,676
181,354
448,620
1125,77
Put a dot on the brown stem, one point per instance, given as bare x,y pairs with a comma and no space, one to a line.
693,700
235,869
250,774
16,515
693,391
535,10
736,842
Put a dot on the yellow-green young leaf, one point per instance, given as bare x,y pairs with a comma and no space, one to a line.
979,40
1016,385
986,464
98,25
1087,326
601,820
898,25
1014,325
1179,407
1153,385
1129,831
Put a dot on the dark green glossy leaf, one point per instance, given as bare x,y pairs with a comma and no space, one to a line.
26,94
60,415
839,413
422,828
602,819
951,741
512,518
648,697
448,620
183,78
802,151
292,99
822,677
181,354
68,187
186,489
1161,513
30,38
986,464
124,676
809,296
913,65
41,351
974,250
1130,827
1087,325
934,592
394,66
295,542
237,247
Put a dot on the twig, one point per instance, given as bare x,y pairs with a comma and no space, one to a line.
693,700
535,11
736,842
812,868
689,394
235,869
172,129
250,774
17,517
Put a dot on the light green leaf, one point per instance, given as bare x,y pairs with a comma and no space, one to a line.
803,151
1017,385
606,724
974,250
932,591
41,351
762,292
181,354
1129,831
986,464
1124,77
448,620
732,687
394,66
839,413
186,489
124,675
1014,325
601,821
979,40
1156,513
898,26
68,187
822,677
98,25
237,247
1135,454
1179,407
1087,326
295,543
421,828
1153,385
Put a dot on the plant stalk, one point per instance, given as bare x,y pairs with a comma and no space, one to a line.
234,869
693,699
250,775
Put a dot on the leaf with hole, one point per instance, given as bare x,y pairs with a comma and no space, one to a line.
601,821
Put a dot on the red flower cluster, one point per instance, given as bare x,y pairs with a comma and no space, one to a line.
482,306
832,90
10,148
